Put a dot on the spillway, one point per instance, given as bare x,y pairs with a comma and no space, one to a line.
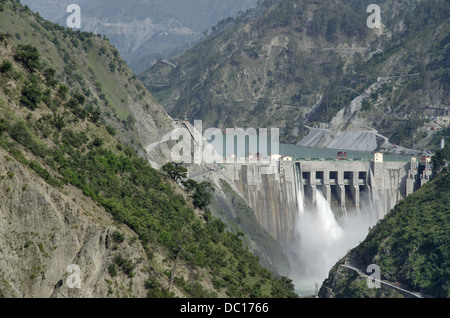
339,200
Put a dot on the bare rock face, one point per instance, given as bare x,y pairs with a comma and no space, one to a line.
43,232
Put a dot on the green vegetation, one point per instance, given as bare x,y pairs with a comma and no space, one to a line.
6,66
54,132
124,264
440,160
31,94
411,244
175,170
200,192
66,58
28,55
118,237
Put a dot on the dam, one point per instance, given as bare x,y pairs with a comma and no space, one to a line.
316,203
318,209
349,186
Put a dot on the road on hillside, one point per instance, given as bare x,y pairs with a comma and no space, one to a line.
361,273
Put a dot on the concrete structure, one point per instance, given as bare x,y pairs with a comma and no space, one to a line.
378,157
352,185
275,157
273,189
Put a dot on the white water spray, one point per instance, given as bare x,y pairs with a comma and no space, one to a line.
320,240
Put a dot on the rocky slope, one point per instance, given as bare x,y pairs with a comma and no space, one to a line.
43,231
318,64
74,194
145,30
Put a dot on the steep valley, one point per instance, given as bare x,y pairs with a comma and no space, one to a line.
89,185
77,195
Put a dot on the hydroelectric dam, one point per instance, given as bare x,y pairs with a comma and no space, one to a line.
276,190
317,208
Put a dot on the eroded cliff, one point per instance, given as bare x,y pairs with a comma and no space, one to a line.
43,231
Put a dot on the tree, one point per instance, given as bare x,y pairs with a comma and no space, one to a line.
31,95
440,158
49,73
201,192
175,170
29,56
182,241
129,122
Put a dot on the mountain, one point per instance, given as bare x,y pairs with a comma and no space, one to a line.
410,245
144,30
316,67
76,197
93,68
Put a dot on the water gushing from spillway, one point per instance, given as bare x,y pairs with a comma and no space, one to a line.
320,240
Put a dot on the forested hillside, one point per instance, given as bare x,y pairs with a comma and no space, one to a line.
57,85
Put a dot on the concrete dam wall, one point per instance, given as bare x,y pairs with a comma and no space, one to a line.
273,190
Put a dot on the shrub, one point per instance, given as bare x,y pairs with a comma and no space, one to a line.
49,74
62,91
23,136
31,95
111,130
6,66
74,139
3,126
126,265
58,121
129,122
118,237
97,142
112,270
365,105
